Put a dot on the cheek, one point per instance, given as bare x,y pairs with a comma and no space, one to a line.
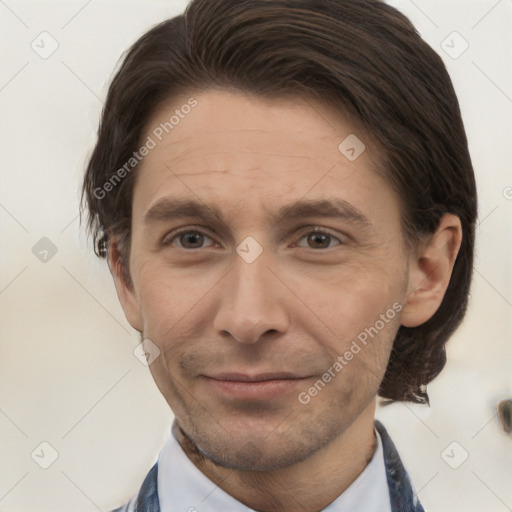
360,360
350,299
165,298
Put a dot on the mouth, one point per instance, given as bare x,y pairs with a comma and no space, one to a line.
245,386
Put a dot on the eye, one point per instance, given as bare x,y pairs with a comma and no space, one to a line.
319,239
187,239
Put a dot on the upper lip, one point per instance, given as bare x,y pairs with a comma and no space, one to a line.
243,377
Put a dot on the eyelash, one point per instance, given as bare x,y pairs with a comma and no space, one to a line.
196,229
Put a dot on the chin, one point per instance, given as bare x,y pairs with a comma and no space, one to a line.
252,457
266,453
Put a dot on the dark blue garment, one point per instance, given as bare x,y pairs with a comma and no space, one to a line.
401,495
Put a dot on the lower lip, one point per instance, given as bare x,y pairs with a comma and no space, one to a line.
259,390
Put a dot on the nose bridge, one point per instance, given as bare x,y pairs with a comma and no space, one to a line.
250,302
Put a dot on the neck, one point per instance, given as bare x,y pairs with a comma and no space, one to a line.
310,485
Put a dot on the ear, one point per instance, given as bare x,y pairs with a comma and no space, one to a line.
430,270
124,286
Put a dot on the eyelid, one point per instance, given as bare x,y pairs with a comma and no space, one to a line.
169,237
319,229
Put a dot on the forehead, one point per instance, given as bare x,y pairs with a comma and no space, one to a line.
227,127
237,151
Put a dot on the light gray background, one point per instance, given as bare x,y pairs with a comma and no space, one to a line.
69,376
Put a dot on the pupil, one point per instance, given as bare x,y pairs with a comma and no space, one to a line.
319,238
191,238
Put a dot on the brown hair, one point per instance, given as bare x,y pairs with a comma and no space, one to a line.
362,56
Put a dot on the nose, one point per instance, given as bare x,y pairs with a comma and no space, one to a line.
251,302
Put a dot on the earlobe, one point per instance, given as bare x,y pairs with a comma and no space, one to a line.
124,287
430,270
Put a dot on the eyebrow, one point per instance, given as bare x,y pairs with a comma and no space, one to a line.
175,208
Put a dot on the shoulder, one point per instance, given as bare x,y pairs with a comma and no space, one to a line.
127,507
401,493
147,497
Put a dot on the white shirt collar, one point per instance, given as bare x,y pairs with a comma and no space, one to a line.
182,487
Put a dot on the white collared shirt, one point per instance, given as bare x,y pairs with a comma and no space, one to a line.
182,487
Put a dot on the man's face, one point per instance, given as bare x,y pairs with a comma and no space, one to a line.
219,311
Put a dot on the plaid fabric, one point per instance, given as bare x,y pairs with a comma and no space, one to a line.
401,495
